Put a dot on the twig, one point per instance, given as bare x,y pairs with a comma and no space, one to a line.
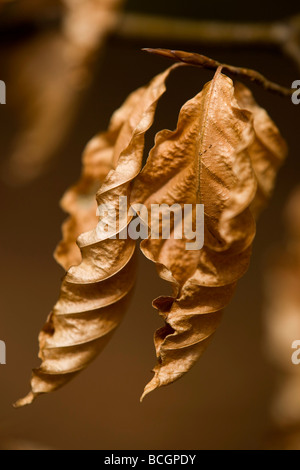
198,60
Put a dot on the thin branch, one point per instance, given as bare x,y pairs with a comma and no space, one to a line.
198,60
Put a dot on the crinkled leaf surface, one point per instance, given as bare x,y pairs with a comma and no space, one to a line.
208,159
268,151
79,201
95,293
224,154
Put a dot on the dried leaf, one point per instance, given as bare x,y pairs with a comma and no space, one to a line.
224,154
268,151
95,293
79,201
206,160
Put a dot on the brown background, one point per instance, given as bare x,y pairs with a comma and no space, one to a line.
223,403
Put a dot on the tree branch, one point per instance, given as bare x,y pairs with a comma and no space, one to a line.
198,60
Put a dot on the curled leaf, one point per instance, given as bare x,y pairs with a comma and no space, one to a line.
206,160
79,201
95,293
268,151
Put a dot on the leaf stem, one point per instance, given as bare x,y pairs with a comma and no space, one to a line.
199,60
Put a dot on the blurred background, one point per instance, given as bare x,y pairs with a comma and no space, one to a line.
65,76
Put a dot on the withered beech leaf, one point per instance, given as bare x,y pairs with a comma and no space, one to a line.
94,294
79,201
207,160
268,151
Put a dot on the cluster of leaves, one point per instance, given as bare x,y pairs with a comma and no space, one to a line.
225,153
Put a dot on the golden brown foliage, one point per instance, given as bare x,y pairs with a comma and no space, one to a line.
94,294
80,201
212,158
224,154
268,150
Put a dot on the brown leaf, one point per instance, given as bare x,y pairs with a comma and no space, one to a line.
79,201
268,151
95,293
205,160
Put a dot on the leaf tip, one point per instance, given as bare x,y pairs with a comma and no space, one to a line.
153,385
28,400
159,51
150,50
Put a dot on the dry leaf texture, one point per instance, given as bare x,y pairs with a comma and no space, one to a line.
211,158
94,294
79,201
224,154
268,151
